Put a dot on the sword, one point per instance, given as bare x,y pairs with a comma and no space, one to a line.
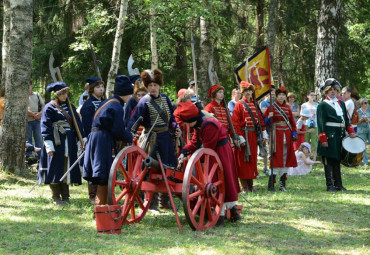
73,165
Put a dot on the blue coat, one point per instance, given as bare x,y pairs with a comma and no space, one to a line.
129,107
164,141
51,169
98,154
88,110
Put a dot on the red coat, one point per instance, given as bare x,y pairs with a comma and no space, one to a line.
219,111
282,129
210,132
241,118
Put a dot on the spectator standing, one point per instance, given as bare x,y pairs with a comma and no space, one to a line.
293,106
350,104
311,123
86,92
263,106
235,97
35,106
363,127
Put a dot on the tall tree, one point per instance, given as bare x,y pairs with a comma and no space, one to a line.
153,38
204,57
271,27
12,145
260,42
117,48
5,47
327,41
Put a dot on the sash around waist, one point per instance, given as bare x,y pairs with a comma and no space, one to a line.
222,142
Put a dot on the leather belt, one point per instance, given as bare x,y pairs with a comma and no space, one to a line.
335,124
222,142
249,129
95,129
281,123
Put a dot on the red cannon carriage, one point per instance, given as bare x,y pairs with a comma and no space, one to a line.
199,183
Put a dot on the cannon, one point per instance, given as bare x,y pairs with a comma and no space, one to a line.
199,183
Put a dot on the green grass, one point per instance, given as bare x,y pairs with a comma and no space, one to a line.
304,220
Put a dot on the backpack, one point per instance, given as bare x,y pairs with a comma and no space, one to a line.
355,117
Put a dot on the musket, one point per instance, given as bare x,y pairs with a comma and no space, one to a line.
72,166
95,62
194,64
214,80
56,70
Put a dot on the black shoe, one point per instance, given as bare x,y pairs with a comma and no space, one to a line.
331,188
220,222
341,188
234,214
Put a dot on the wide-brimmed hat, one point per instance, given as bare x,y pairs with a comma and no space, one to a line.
307,145
290,94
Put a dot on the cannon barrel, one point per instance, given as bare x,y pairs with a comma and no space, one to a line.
151,162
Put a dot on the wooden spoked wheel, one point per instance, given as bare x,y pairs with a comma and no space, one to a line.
203,190
125,177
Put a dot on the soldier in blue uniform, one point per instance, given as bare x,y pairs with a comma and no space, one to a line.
60,148
157,112
332,123
96,93
108,128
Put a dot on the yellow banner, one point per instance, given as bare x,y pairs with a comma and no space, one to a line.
258,72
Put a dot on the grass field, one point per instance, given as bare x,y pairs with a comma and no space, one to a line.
304,220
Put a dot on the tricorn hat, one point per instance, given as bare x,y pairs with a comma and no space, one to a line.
331,82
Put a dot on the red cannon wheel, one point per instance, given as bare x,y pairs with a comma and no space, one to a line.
126,176
203,190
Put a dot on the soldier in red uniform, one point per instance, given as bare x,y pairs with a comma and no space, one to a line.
211,134
284,132
247,121
217,106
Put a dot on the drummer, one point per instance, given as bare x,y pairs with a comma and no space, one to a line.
332,124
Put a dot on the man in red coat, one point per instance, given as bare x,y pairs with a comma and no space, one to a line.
246,121
212,135
284,132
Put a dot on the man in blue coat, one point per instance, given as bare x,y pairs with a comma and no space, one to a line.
108,128
59,151
88,109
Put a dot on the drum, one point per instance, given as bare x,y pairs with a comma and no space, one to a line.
353,150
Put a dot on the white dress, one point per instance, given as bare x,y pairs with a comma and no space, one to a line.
302,168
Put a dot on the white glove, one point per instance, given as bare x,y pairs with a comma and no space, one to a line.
265,135
242,140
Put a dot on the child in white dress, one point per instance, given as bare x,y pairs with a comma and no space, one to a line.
303,160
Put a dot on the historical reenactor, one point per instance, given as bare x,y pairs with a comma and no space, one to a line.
248,123
88,109
332,123
284,133
212,134
107,130
156,110
217,106
139,92
60,148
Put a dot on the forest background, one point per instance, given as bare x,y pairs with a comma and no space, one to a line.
309,41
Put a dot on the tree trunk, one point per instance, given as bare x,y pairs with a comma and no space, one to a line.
260,42
204,57
153,39
116,48
12,145
181,64
5,48
271,27
327,41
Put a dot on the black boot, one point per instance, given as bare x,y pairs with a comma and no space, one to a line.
329,178
271,183
220,222
55,190
282,183
234,214
153,207
338,178
65,193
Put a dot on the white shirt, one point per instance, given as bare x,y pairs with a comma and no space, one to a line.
350,106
